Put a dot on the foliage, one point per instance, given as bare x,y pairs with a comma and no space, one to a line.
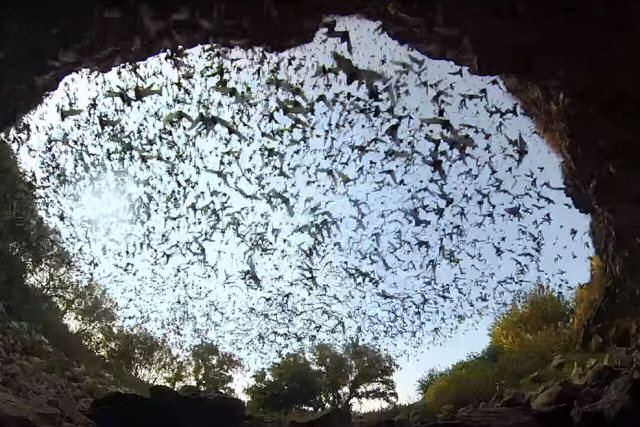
139,353
523,341
293,383
540,317
212,369
430,378
359,372
469,382
328,379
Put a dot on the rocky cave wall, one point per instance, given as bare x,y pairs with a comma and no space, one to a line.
574,65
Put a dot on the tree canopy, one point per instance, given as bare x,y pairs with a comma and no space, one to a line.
213,369
325,379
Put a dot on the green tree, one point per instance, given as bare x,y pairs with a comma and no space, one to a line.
213,369
359,372
430,378
293,383
139,353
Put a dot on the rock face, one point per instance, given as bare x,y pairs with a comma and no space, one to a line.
167,408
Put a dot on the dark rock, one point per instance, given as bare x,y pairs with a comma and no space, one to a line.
189,390
596,343
559,393
555,403
618,407
601,375
557,362
14,412
332,418
500,417
165,409
512,398
577,374
619,358
71,411
51,416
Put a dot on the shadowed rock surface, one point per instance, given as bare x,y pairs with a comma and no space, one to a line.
166,407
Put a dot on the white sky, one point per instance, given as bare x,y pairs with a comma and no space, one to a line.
337,159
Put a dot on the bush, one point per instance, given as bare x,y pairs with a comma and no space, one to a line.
523,340
469,382
540,319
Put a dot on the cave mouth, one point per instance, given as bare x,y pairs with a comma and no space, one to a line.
345,149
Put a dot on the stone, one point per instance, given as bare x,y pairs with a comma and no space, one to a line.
447,410
559,393
619,406
71,411
167,409
189,390
577,374
595,345
600,375
557,362
16,412
49,415
535,378
618,358
512,398
591,363
11,371
333,418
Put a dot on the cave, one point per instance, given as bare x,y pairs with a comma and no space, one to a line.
572,64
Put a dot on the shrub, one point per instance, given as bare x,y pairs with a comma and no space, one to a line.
538,320
469,382
523,340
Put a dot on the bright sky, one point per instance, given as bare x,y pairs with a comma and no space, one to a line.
269,201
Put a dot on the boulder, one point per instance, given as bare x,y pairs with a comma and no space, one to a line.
14,412
71,412
618,407
591,363
619,358
556,401
557,362
596,343
167,408
332,418
447,410
600,375
577,374
189,390
512,398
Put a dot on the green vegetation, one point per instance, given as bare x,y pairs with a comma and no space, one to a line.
327,379
524,341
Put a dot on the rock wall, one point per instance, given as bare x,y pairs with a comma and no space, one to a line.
572,63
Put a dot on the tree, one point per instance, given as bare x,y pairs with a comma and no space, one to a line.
213,369
359,372
293,383
138,353
430,378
